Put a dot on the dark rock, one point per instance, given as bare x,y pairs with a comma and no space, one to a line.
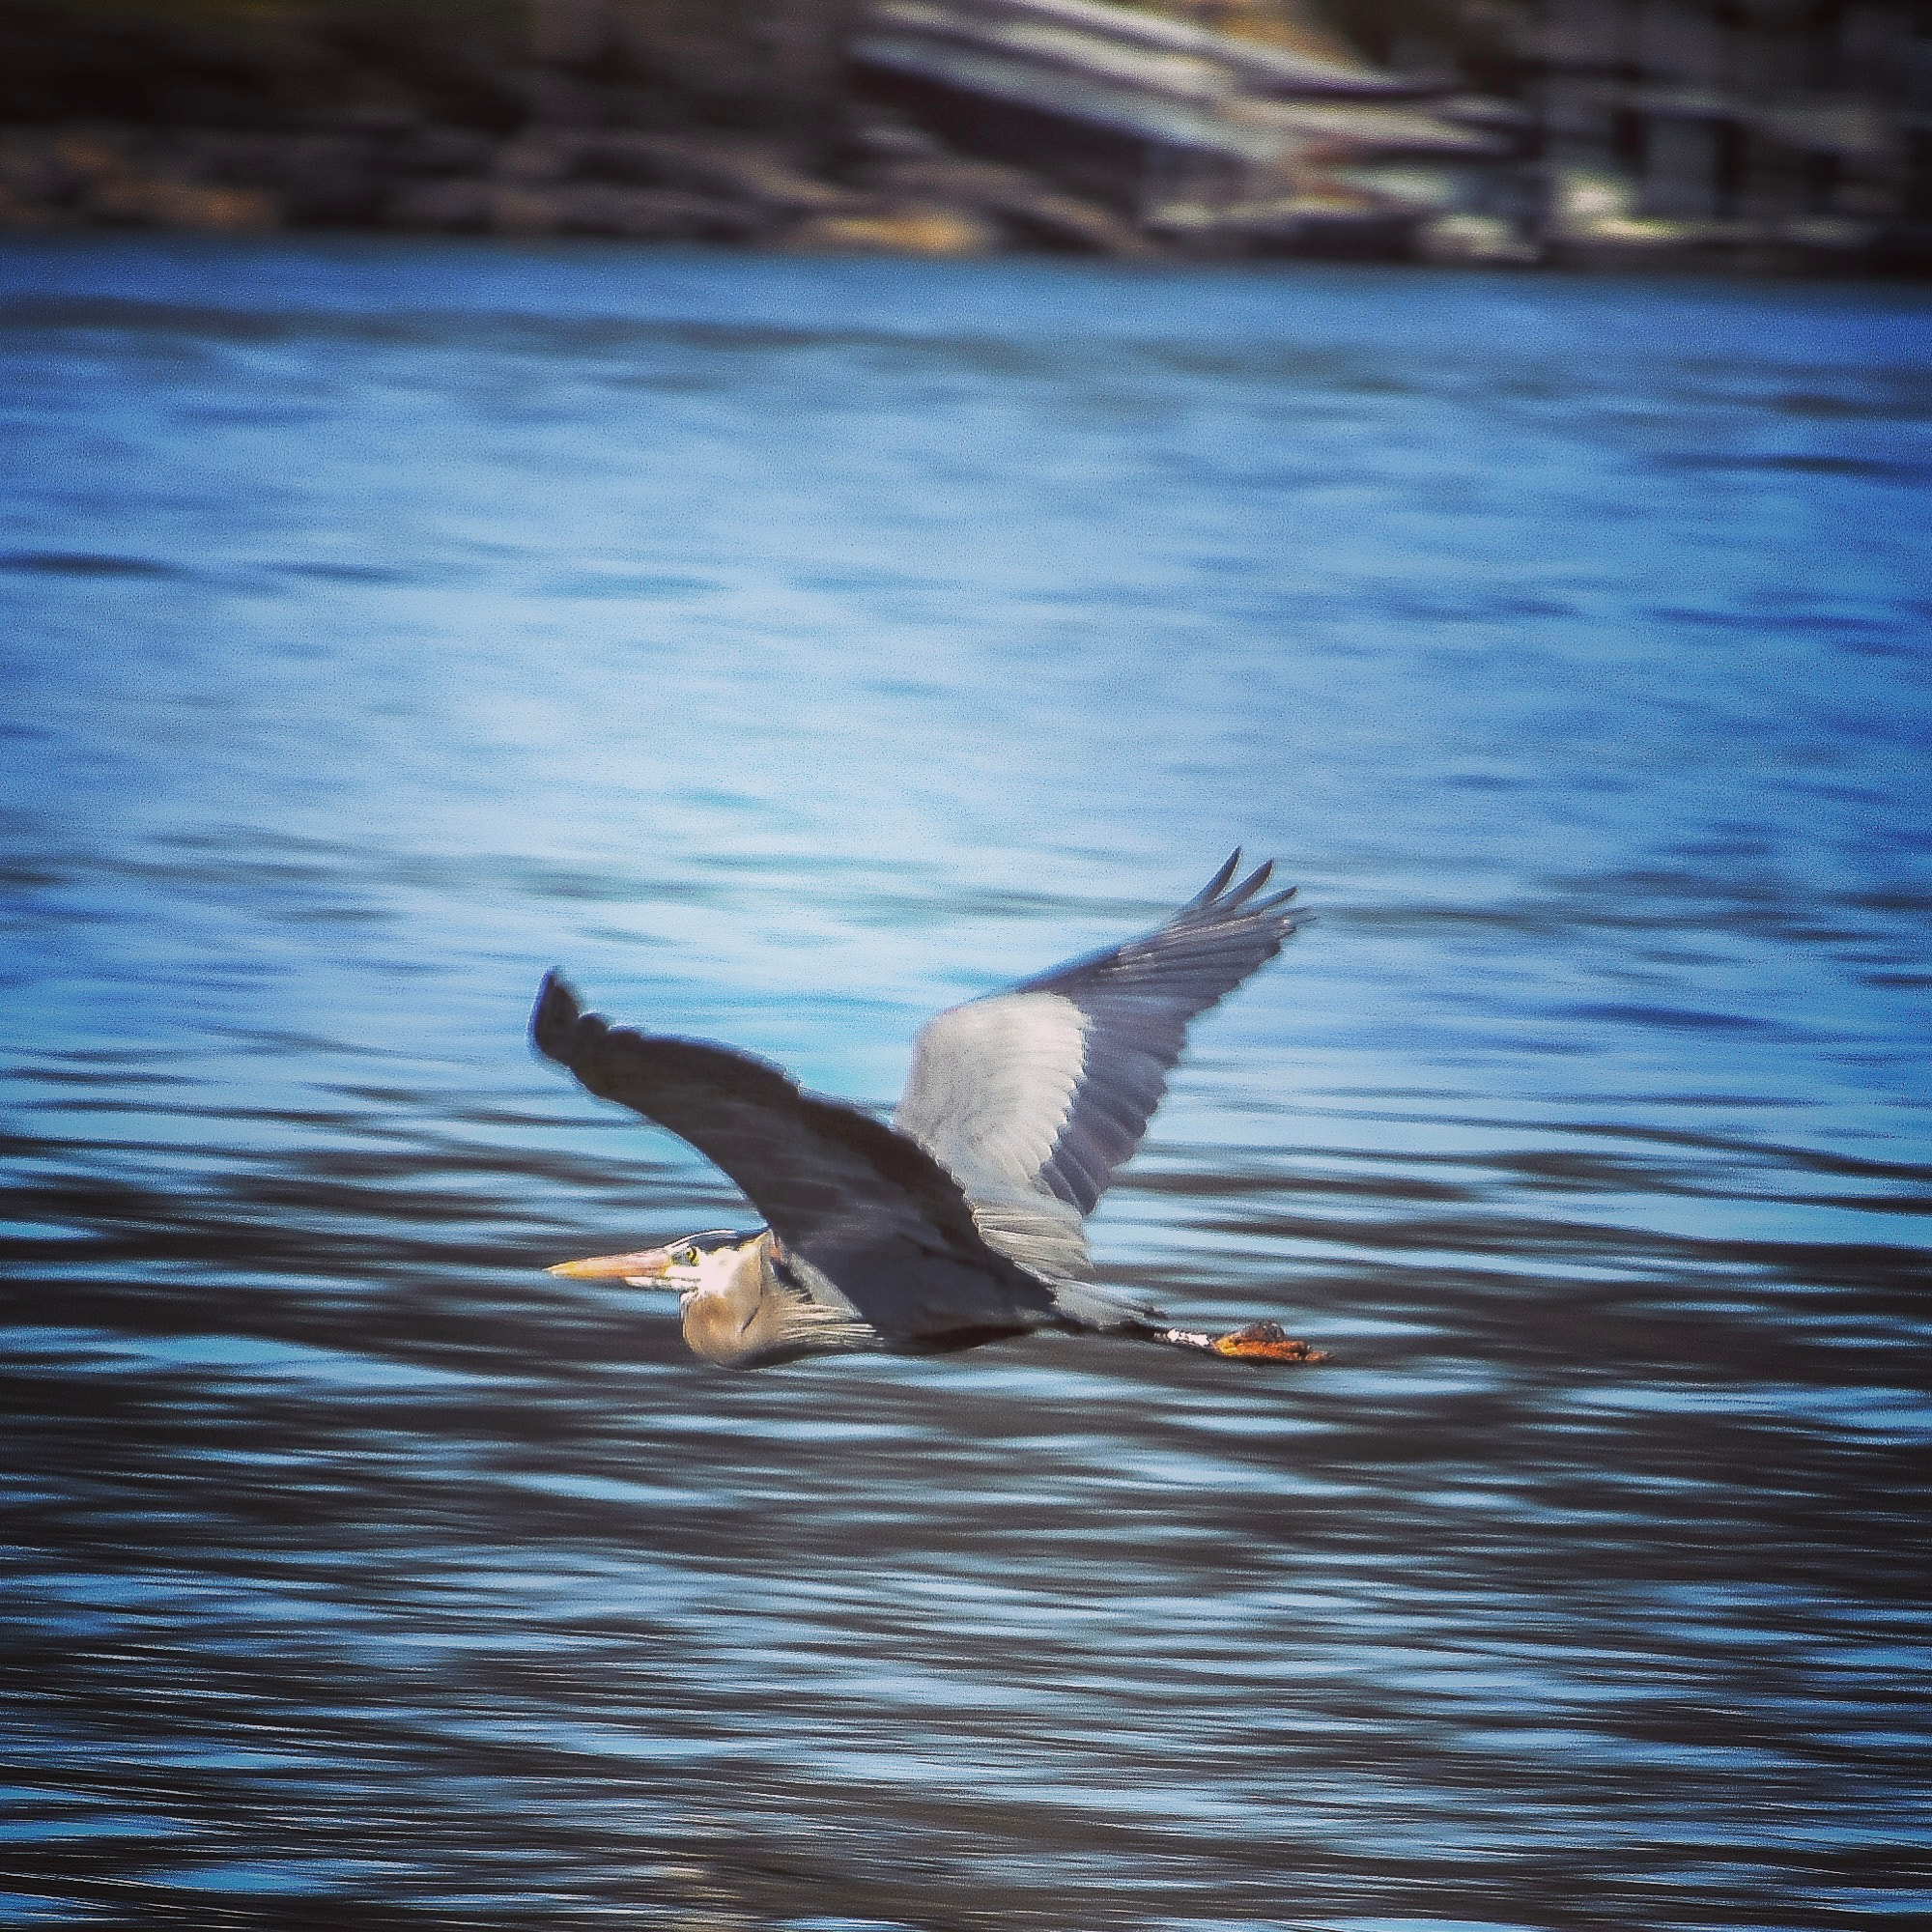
90,154
462,206
466,78
474,206
539,157
652,215
525,211
37,188
441,150
159,200
216,154
328,181
116,178
320,64
1043,216
752,172
1067,224
33,172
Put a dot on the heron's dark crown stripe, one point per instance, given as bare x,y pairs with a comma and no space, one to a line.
713,1238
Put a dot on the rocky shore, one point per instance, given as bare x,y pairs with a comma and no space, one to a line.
894,189
939,128
206,118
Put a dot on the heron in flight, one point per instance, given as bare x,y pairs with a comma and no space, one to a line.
961,1222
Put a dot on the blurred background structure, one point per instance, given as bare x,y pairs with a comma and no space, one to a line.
1757,133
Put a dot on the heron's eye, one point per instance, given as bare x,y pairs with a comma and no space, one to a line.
688,1258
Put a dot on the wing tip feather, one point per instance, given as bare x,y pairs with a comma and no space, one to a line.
554,1017
1220,901
1240,895
1213,889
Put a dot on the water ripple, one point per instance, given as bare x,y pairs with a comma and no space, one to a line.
792,648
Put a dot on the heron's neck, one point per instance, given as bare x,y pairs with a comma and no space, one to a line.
726,1319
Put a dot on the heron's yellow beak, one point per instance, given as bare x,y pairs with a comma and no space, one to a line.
650,1264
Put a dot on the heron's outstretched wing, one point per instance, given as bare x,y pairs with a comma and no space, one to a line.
1035,1095
861,1202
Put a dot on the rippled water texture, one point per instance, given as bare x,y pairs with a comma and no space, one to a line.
789,649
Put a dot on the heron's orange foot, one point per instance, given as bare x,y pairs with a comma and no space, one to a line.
1266,1342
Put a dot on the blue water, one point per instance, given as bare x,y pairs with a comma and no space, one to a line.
789,648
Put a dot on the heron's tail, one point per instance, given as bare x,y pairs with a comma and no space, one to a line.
1258,1342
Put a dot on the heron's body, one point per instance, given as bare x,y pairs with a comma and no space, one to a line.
962,1221
751,1305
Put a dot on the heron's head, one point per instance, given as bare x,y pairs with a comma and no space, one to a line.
688,1266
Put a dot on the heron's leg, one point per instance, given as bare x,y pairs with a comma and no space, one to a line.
1258,1342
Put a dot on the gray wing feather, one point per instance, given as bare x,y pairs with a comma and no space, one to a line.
1034,1096
863,1204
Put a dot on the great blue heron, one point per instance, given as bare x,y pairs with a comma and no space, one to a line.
960,1222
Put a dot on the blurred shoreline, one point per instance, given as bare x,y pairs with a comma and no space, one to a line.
834,127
